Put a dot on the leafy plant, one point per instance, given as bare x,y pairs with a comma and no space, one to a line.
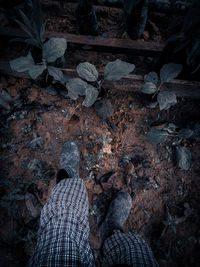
92,85
170,222
51,49
187,40
136,13
160,136
166,99
5,99
33,26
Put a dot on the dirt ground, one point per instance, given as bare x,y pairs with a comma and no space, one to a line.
114,156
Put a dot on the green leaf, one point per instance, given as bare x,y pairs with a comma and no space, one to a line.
91,95
156,136
129,5
183,157
55,73
76,86
72,95
170,71
36,71
22,64
37,15
24,28
185,133
26,22
54,48
149,88
166,99
151,77
117,69
42,32
87,71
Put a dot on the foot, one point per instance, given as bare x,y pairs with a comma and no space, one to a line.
69,161
117,215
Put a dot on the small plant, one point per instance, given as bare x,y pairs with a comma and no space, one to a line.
182,154
186,42
166,99
136,13
92,85
33,26
86,17
170,222
51,50
5,99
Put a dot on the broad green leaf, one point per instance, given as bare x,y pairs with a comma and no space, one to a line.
170,71
104,108
166,99
54,48
183,157
87,71
22,64
55,73
117,69
72,95
151,77
91,95
66,78
149,88
76,86
185,133
156,136
36,71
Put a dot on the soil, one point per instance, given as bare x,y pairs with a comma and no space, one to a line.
34,130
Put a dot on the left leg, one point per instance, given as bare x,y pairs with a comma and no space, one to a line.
63,237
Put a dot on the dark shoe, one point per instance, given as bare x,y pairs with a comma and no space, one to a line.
69,161
117,215
61,174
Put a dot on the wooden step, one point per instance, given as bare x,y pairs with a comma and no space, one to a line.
131,83
112,45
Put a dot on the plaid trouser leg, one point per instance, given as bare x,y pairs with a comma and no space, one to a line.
127,249
63,237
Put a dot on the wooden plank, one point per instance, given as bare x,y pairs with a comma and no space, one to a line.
131,83
113,45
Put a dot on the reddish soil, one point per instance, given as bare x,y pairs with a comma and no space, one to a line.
151,177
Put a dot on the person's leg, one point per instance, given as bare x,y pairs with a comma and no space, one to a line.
118,248
63,237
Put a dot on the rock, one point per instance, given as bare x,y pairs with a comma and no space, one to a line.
104,108
146,35
32,205
183,157
51,90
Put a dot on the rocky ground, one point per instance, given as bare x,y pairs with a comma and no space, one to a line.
115,155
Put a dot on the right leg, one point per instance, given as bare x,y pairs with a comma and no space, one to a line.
119,248
128,249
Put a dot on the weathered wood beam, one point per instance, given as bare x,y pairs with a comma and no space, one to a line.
113,45
131,83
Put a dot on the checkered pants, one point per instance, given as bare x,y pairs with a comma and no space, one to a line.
63,237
